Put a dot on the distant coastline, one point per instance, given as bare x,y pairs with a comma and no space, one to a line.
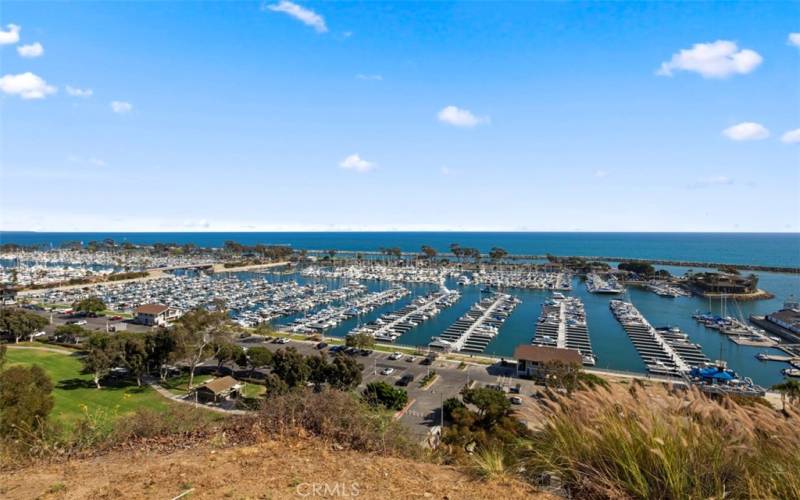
778,252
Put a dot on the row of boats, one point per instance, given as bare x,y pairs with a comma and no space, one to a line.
535,280
608,285
669,351
388,327
332,316
562,324
378,272
473,331
733,327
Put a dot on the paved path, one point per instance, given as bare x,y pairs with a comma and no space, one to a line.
36,348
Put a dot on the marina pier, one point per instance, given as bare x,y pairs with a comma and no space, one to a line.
661,351
473,331
562,324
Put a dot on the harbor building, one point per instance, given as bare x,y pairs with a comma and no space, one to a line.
536,361
784,323
155,315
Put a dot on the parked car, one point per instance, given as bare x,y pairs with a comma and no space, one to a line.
515,400
395,355
387,371
115,318
365,352
405,379
282,340
321,345
410,359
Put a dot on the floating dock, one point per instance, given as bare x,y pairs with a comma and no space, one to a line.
665,351
472,332
392,325
562,324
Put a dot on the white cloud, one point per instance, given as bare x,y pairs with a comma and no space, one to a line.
10,36
794,39
446,170
26,85
719,59
362,76
458,117
121,106
746,131
719,180
601,173
791,137
305,16
77,92
97,162
357,164
30,51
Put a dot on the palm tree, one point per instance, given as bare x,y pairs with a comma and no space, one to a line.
788,389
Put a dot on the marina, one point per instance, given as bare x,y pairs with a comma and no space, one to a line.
661,350
331,316
388,327
535,280
597,284
562,324
473,331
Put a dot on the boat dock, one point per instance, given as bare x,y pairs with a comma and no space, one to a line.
332,316
659,349
473,331
562,324
390,326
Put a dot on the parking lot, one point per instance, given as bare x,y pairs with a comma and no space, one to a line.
425,411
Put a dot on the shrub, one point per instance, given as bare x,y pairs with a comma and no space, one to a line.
382,394
664,444
337,416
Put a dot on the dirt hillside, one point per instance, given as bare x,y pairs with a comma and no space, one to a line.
300,468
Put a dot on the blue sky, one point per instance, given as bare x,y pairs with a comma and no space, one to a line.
443,116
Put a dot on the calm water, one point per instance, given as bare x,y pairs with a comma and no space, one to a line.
779,249
611,344
609,341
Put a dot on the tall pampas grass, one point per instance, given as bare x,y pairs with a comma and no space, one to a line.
662,442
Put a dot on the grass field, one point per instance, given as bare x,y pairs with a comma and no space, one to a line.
75,393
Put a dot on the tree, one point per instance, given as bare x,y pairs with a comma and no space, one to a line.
492,404
256,357
497,253
3,350
20,323
198,333
789,389
318,369
132,352
25,400
638,267
344,373
290,366
382,394
428,252
450,405
101,352
90,305
226,352
360,340
161,351
70,334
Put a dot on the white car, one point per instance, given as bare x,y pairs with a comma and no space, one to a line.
283,340
395,356
80,323
387,371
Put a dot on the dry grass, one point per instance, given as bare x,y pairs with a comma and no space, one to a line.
665,443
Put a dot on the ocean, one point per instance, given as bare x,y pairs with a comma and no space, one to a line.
766,249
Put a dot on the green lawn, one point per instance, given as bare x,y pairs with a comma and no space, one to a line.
75,394
180,383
